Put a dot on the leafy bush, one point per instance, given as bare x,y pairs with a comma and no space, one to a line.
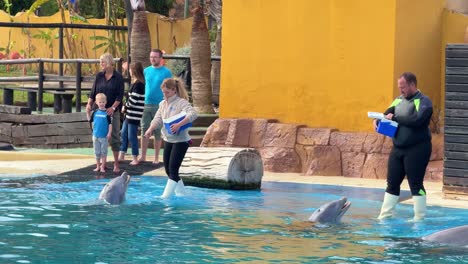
178,66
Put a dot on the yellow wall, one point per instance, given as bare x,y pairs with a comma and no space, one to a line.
454,25
418,44
160,28
324,63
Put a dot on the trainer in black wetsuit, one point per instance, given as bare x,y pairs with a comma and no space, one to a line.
412,147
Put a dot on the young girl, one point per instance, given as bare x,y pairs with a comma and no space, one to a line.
134,111
176,136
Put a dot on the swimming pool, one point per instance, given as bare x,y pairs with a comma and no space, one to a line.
64,223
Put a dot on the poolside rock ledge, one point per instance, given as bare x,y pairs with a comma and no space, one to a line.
314,150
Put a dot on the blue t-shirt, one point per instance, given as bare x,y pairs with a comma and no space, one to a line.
153,79
101,122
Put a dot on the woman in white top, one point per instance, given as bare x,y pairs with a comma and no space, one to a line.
175,134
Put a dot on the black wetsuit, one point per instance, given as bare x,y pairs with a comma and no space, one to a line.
173,156
412,143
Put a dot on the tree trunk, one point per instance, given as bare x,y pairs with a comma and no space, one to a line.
141,43
129,15
226,168
200,61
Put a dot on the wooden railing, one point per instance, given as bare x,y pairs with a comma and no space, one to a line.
62,87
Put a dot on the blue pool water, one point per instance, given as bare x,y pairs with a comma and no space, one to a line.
64,223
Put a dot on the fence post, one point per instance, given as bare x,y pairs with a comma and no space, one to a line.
119,66
40,87
32,100
8,96
61,54
78,87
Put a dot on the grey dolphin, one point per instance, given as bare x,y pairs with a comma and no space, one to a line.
114,191
331,212
457,236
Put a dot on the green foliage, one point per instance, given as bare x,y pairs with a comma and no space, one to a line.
119,11
92,8
77,18
49,8
109,44
36,5
48,37
14,6
213,32
21,98
8,47
159,6
178,66
87,8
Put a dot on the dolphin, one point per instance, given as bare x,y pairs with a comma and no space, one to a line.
457,236
114,191
331,212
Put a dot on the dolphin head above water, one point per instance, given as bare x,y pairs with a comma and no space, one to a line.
114,191
457,236
331,212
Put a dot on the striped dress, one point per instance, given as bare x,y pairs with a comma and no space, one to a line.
135,103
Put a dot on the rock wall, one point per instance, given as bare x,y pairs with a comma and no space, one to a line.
315,151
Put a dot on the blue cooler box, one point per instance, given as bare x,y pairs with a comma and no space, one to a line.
175,119
387,127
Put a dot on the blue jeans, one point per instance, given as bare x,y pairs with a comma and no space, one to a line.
129,133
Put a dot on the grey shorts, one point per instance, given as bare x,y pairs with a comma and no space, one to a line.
148,114
100,147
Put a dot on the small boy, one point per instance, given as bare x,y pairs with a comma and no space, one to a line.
102,130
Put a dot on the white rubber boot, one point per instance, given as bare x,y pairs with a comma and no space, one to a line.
388,206
169,190
180,189
419,206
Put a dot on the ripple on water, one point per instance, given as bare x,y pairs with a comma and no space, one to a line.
28,234
12,219
64,226
10,256
52,215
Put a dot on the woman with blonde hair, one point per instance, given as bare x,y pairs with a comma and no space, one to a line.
174,116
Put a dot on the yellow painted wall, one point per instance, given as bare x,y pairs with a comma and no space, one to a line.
418,44
320,63
454,25
325,63
169,34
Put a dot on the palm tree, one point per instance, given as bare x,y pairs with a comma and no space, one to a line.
215,11
200,62
129,15
140,43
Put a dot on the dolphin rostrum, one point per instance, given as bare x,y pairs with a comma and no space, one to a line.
331,212
457,236
114,191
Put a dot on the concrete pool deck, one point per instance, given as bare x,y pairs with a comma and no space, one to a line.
14,163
